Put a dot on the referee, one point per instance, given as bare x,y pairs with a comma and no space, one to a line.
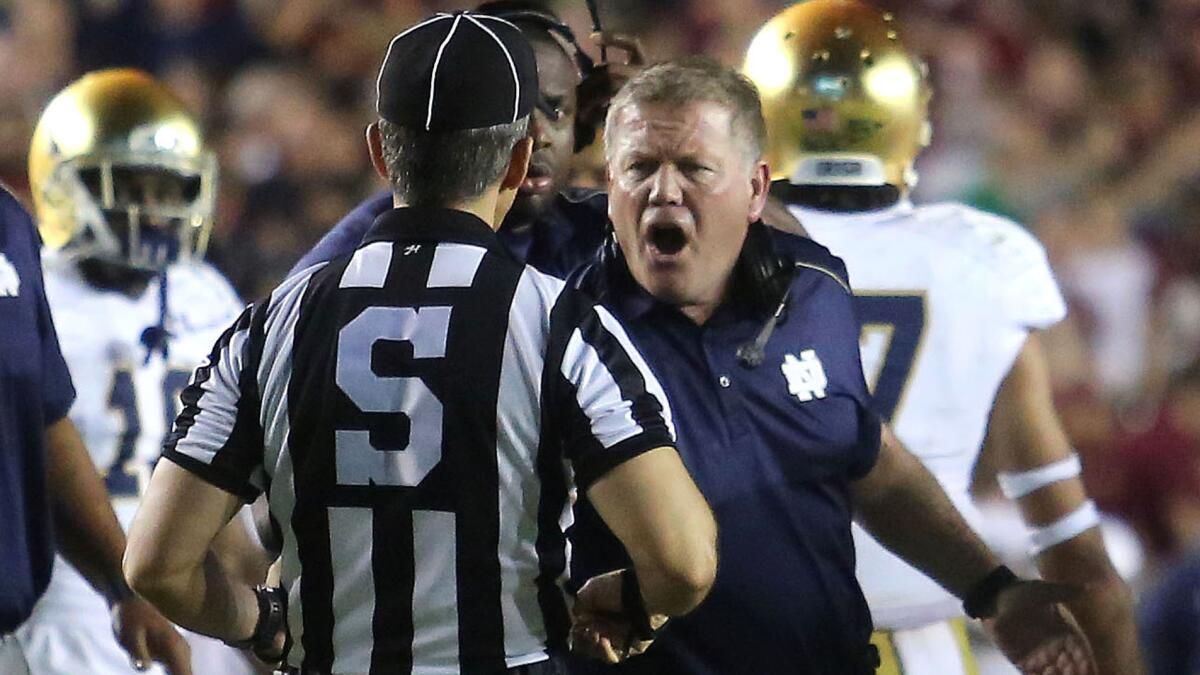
408,410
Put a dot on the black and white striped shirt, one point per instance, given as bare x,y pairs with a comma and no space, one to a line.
419,414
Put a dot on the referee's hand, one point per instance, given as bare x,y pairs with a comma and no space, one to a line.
147,637
599,629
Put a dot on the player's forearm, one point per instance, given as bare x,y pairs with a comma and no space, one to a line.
1103,613
204,598
1105,609
903,506
88,534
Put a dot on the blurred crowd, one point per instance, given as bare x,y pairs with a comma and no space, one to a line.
1077,118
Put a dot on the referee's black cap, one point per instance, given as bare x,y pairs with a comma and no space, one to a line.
460,70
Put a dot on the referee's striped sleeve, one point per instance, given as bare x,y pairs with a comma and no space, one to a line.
217,435
610,406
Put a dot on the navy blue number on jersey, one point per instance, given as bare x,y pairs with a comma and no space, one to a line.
904,315
119,480
122,478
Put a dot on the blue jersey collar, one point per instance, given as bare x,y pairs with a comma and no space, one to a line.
621,293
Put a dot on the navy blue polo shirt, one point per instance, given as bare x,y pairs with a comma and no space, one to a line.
35,391
1169,620
565,236
773,449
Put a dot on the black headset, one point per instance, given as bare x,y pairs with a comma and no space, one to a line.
534,14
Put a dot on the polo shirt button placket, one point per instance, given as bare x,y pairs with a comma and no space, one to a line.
724,381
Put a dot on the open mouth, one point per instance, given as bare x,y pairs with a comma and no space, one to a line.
666,238
538,178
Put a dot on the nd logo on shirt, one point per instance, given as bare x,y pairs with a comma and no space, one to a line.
10,283
805,375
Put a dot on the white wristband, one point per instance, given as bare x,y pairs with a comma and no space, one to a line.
1068,527
1018,484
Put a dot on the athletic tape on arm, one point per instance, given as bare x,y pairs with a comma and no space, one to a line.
1068,527
1018,484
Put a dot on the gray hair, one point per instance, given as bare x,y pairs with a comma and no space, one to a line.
696,79
441,168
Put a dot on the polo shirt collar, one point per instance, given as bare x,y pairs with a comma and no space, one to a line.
622,292
626,297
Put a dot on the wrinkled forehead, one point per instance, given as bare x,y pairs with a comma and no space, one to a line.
669,129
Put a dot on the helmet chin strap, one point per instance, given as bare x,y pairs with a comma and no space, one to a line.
842,181
841,198
157,337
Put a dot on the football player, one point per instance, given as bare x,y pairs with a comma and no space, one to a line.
951,300
123,190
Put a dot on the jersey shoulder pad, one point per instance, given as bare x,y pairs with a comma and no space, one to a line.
811,256
292,289
984,236
201,295
1011,260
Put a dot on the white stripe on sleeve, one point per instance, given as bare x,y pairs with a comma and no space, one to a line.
653,386
597,393
218,405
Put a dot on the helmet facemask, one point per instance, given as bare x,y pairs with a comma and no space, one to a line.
138,211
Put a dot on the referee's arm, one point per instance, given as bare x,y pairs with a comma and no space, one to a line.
619,429
169,560
651,504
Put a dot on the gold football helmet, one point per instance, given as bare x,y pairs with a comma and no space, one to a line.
844,101
119,173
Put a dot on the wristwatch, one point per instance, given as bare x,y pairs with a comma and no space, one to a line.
980,601
272,617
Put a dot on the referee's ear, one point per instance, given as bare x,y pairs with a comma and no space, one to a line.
518,164
375,149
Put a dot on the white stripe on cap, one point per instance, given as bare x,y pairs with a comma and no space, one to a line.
502,20
512,66
379,79
437,60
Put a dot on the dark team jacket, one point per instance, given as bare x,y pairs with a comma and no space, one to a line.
566,235
35,391
775,468
773,448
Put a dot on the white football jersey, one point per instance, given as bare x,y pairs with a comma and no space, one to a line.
946,295
127,398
